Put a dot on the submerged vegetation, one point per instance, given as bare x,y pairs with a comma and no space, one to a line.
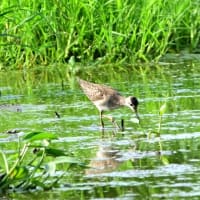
46,32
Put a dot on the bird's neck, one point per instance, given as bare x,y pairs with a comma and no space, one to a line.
122,101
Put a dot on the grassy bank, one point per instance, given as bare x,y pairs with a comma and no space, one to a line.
44,32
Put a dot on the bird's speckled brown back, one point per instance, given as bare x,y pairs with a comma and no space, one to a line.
95,91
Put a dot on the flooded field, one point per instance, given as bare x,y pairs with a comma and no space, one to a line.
133,164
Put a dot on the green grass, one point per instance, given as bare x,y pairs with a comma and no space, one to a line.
44,32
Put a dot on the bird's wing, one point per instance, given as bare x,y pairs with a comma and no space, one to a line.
95,91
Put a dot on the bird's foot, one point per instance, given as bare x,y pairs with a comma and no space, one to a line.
112,119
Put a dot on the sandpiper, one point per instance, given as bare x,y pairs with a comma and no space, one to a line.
106,98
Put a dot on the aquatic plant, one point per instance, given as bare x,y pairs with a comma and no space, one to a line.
161,112
34,164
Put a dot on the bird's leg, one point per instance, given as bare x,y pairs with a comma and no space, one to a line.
101,119
112,120
115,123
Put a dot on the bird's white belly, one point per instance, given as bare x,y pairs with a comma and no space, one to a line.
103,105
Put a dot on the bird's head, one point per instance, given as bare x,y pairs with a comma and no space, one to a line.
133,103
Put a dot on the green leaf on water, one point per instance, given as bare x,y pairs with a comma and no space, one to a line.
55,152
163,109
66,159
51,166
33,136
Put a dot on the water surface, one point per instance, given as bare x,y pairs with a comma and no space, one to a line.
134,164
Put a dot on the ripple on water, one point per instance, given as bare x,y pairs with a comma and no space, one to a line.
178,193
75,139
140,155
6,98
10,107
180,136
161,171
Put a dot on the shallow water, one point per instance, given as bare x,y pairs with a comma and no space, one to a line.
134,164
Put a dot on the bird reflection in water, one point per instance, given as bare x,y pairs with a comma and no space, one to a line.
106,160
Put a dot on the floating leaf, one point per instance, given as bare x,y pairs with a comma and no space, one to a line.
33,136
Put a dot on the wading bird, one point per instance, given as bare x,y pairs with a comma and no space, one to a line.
106,98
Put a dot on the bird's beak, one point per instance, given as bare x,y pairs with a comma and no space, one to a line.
136,113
